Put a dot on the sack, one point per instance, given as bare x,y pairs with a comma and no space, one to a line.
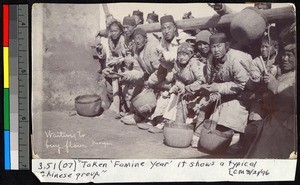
213,140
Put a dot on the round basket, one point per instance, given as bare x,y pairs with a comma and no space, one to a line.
145,102
88,105
179,136
213,140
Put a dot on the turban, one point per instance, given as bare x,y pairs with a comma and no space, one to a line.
186,48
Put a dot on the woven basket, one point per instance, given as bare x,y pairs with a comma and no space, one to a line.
88,105
213,140
179,136
145,103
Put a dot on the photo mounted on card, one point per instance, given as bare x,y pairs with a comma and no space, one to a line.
153,92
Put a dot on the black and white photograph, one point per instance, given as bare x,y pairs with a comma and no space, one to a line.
164,81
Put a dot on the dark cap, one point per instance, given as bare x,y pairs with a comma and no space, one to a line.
167,18
138,13
203,36
218,38
129,21
140,31
153,16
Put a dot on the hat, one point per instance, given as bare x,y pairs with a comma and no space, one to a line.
167,18
218,38
140,31
153,16
203,36
129,21
138,13
291,48
186,47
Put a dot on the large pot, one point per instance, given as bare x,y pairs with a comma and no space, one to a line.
88,105
145,103
178,135
248,26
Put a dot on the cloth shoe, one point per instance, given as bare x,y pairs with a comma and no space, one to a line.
157,129
145,126
131,119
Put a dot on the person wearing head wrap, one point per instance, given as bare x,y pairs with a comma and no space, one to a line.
152,18
138,16
203,47
189,75
274,136
226,77
146,57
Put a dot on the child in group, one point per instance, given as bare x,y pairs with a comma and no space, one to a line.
189,76
264,64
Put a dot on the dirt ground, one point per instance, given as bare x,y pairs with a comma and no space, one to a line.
65,135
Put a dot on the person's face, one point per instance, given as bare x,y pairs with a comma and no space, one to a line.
128,30
137,19
183,58
203,47
168,30
140,42
150,21
266,48
288,61
219,50
114,32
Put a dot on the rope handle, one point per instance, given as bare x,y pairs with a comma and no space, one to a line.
214,124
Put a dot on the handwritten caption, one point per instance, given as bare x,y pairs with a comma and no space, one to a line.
61,141
78,170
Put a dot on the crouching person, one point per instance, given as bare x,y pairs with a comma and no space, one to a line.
161,80
189,76
145,62
227,77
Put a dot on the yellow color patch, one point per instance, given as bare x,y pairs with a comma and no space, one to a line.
5,67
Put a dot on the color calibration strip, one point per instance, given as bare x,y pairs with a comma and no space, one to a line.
7,159
16,87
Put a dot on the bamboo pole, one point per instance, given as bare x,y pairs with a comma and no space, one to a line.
215,21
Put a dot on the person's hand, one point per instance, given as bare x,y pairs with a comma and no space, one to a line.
255,76
129,60
211,88
267,78
273,70
125,77
174,89
214,97
188,91
181,90
107,71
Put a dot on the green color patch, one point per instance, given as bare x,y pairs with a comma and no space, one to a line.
6,109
